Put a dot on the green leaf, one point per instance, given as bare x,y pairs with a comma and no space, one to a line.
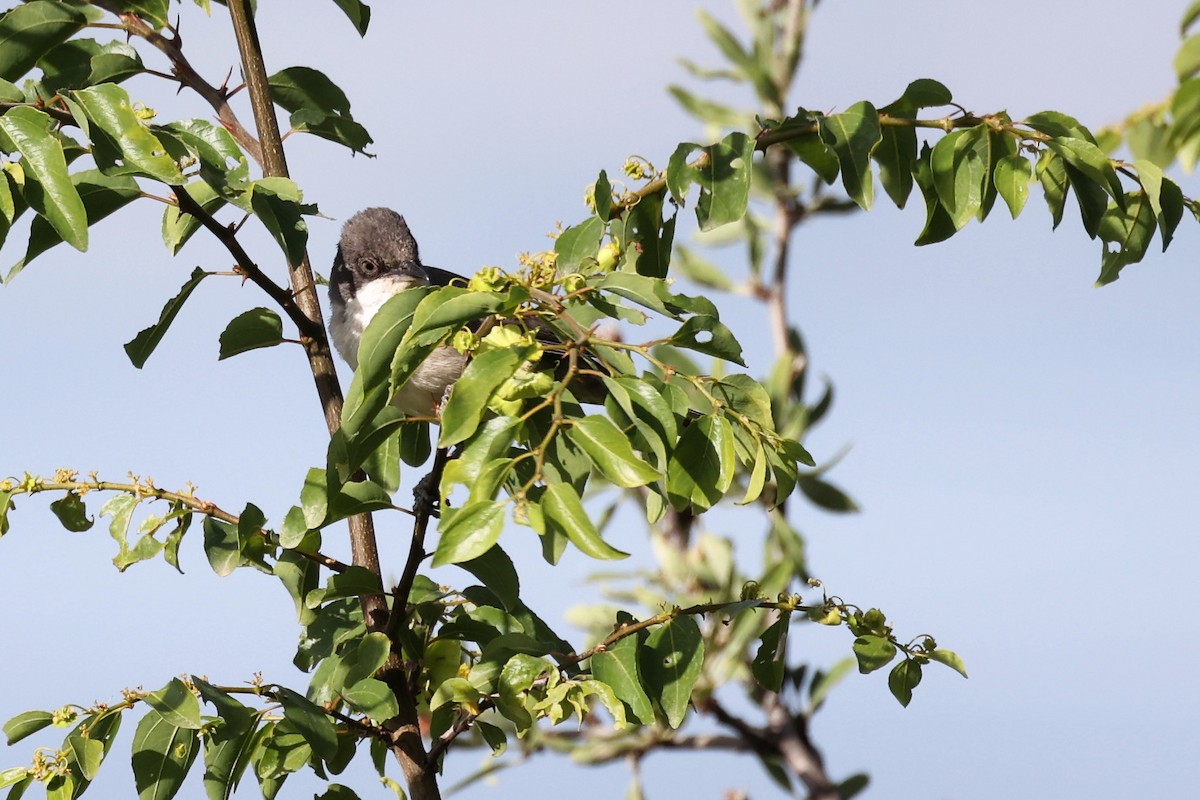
1189,17
26,724
152,11
903,678
318,106
277,204
358,12
671,660
1052,174
577,244
617,666
29,31
109,110
1131,229
603,197
495,570
162,755
960,168
101,195
1187,60
938,225
647,237
141,346
825,495
873,652
1091,162
1092,198
951,659
372,697
229,744
708,111
311,721
86,62
565,513
48,188
707,334
468,532
1011,178
1057,124
177,226
72,512
223,165
1165,196
770,661
896,156
702,466
472,392
853,135
725,181
611,451
13,776
354,582
258,327
176,704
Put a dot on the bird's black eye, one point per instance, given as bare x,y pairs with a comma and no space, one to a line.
369,267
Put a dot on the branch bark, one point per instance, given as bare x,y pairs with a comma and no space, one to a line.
405,738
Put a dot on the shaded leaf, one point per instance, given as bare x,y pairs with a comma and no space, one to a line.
258,327
671,660
29,31
853,135
141,346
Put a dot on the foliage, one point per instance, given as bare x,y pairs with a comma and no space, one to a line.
474,662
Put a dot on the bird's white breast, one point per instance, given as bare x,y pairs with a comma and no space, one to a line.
351,319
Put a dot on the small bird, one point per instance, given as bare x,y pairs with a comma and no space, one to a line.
377,258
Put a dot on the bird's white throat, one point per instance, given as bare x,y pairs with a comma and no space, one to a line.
350,319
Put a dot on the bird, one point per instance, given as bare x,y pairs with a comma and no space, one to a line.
377,257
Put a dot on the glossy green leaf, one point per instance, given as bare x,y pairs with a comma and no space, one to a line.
1131,230
611,451
13,776
277,204
938,224
26,724
671,660
29,31
86,62
258,327
1057,124
48,188
223,165
853,135
1011,178
725,181
577,244
162,755
358,13
372,697
222,547
176,704
707,334
1052,174
903,678
109,110
472,392
178,227
1165,196
873,652
617,666
820,157
354,582
1091,196
1090,161
469,532
101,195
960,168
318,106
702,466
151,11
565,513
141,346
311,721
603,197
896,156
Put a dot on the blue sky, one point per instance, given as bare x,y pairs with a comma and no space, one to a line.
1023,445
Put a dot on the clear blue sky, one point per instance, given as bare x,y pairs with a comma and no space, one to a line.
1024,446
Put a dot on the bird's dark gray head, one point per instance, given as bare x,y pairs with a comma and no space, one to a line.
375,243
